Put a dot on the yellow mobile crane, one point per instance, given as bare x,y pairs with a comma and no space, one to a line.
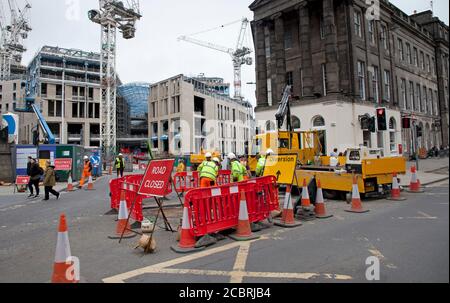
374,171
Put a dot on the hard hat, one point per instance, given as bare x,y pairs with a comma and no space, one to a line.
120,154
208,155
215,159
86,158
231,156
269,152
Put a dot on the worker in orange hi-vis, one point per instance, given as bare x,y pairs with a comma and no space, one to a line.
87,171
208,171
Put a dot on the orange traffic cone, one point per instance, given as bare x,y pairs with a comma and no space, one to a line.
123,225
243,230
287,217
306,202
69,183
320,209
356,199
64,269
187,241
90,184
395,191
414,186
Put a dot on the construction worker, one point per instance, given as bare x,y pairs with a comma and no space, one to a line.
236,168
87,171
262,162
120,165
208,171
244,168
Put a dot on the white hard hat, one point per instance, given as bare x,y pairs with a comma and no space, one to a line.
269,152
86,158
120,154
208,155
231,156
215,159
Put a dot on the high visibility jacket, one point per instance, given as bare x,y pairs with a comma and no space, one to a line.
208,169
119,163
236,171
260,166
87,168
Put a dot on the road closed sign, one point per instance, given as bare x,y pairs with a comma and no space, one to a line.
157,178
282,167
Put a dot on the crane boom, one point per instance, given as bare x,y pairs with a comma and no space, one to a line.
210,45
284,109
244,26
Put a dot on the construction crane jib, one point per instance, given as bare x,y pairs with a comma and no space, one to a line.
112,15
12,36
240,55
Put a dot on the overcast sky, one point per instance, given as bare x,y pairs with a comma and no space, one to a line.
155,54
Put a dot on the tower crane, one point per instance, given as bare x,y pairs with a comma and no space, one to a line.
112,15
239,55
13,34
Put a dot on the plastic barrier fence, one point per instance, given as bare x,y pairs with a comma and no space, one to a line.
186,181
217,208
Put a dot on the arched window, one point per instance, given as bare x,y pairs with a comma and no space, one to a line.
295,121
392,124
318,121
393,135
270,126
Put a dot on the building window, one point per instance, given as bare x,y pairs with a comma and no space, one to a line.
371,29
384,37
418,97
269,92
408,53
425,100
288,39
51,108
357,21
362,80
97,110
392,135
433,66
436,106
422,60
416,57
58,108
403,93
318,121
412,97
387,85
428,64
324,79
431,102
401,53
375,84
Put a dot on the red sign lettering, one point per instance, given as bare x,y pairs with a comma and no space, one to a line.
63,164
22,180
156,180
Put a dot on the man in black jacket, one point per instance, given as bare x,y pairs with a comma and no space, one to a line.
35,172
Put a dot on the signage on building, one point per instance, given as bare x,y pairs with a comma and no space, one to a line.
157,178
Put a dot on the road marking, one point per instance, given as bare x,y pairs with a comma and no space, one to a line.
12,207
339,217
236,275
426,215
375,252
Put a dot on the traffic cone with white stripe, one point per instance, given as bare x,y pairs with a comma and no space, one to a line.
306,202
90,184
320,209
287,216
187,240
356,199
70,183
123,224
64,269
414,186
243,230
395,191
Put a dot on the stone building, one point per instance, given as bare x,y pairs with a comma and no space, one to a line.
343,63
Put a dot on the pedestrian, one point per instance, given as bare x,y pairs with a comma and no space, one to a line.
334,153
35,173
50,181
236,168
87,171
208,172
120,165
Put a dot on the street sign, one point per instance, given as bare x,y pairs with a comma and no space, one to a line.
22,180
282,167
157,178
63,164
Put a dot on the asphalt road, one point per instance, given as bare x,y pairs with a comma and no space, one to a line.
410,239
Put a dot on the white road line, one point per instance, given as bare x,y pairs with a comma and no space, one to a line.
426,215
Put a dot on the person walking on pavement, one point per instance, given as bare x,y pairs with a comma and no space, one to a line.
120,166
262,162
35,173
236,168
49,182
208,171
87,171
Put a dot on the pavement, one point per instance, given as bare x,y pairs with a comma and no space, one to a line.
430,171
410,239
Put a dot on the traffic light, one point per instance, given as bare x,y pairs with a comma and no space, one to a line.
372,125
406,123
381,119
419,131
